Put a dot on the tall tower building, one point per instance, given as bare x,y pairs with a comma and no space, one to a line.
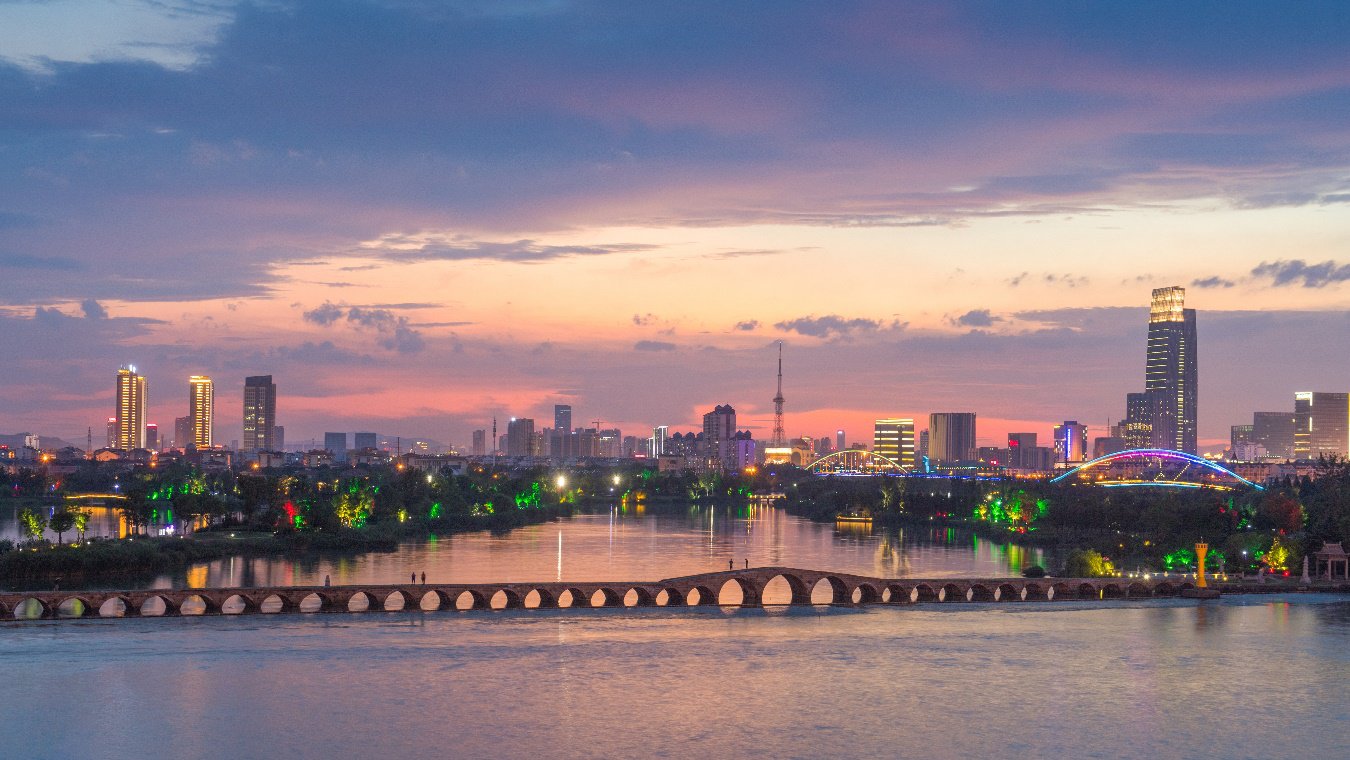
951,436
201,408
480,443
260,414
719,432
1275,432
336,444
779,434
839,443
1171,369
893,438
130,397
520,437
1321,425
562,418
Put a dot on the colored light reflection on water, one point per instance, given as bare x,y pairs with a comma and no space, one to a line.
1243,677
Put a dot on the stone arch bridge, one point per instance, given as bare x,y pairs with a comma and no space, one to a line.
746,589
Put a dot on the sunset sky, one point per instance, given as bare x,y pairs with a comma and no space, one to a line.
416,215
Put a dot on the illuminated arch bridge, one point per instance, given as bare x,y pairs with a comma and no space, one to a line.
856,462
1155,468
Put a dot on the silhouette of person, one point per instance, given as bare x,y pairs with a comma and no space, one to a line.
325,581
747,563
731,564
412,578
424,577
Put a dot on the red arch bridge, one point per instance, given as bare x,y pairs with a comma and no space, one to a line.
744,587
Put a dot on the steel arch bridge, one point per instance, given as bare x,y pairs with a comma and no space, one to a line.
856,462
1157,468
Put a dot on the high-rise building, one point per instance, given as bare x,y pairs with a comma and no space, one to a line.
130,397
152,436
520,437
1171,370
1241,435
1071,442
1141,412
278,438
201,408
480,443
1274,432
1321,424
260,413
112,432
951,436
562,418
1019,450
660,434
182,432
363,441
839,444
336,444
893,438
719,432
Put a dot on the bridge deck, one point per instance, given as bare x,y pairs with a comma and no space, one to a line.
703,589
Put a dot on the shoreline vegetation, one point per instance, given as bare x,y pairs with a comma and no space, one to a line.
331,512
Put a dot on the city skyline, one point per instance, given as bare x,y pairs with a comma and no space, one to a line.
952,207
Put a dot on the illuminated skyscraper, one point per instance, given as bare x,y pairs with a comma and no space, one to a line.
201,408
152,436
562,418
130,396
1071,442
951,436
260,414
1321,425
839,443
893,438
112,432
1171,370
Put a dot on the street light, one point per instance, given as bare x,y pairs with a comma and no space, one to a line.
561,482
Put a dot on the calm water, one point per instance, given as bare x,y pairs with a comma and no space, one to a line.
630,547
1256,677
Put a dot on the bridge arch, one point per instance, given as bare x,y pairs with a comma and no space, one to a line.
606,597
506,599
1212,474
855,462
978,592
924,593
864,593
1034,591
31,608
75,607
637,596
951,592
670,597
540,599
785,588
894,593
1007,592
1138,589
237,604
830,590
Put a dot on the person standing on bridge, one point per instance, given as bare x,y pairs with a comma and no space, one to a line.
747,563
731,564
325,581
412,578
424,577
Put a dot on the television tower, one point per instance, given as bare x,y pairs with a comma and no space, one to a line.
779,435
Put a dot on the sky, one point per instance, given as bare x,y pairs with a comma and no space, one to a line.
420,215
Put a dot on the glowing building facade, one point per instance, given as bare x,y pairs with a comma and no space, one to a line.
893,438
130,398
1171,370
201,408
1321,425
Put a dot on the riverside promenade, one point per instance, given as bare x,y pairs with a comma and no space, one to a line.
740,587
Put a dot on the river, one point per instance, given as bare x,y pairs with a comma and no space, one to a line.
1241,677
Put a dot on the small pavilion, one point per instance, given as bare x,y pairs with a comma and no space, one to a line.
1332,555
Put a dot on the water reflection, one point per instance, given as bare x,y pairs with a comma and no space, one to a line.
619,545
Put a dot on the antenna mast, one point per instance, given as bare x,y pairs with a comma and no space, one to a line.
779,435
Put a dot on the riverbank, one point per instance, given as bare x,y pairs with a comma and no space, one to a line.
143,556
